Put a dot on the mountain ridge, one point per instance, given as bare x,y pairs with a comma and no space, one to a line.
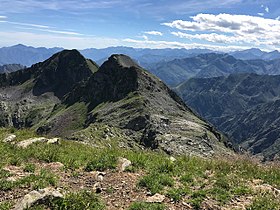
244,106
119,94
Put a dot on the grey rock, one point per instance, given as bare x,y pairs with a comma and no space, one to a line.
156,198
124,164
10,138
36,196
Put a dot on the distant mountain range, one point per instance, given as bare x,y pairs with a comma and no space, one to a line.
244,106
211,65
254,53
26,55
7,68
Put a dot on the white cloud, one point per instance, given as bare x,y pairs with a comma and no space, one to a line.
260,14
61,32
155,33
231,28
3,17
278,18
266,9
212,37
27,24
30,26
174,44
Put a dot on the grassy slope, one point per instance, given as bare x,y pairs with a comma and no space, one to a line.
191,180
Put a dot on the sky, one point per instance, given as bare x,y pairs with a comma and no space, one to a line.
223,25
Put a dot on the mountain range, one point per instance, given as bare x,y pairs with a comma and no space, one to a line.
243,106
7,68
27,55
69,96
211,65
255,53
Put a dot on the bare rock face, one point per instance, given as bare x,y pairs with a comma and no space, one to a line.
36,196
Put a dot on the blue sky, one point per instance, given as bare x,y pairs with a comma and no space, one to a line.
215,24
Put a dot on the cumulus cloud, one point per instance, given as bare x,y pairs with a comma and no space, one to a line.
155,33
230,28
212,37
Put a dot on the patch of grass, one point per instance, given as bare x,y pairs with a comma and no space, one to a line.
79,200
146,206
176,194
44,179
197,198
102,162
156,182
4,174
265,201
5,205
29,167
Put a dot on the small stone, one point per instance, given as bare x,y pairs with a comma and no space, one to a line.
98,176
187,205
156,198
123,164
53,141
10,138
97,187
172,159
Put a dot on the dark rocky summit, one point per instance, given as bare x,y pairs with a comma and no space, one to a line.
69,96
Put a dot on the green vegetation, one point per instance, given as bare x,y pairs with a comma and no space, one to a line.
188,179
265,201
5,205
146,206
43,179
102,162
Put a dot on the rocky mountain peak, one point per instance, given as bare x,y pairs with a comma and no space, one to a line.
62,71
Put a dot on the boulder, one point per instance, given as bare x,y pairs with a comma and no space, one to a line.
36,196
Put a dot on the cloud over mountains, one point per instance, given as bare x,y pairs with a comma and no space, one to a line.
228,28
